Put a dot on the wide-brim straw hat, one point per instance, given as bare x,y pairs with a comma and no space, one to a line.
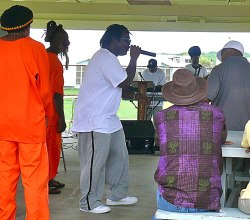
185,89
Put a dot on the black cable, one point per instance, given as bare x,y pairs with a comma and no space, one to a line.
133,104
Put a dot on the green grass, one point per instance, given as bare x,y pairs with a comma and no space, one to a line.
126,109
68,111
71,91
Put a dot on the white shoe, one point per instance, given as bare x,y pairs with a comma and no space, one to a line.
100,209
126,201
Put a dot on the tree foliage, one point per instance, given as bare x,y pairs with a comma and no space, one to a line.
210,56
205,61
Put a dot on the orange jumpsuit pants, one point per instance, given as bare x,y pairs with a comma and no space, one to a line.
54,142
31,160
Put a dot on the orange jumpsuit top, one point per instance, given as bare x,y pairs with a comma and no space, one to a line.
56,83
25,91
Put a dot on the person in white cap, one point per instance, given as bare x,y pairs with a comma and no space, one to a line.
229,85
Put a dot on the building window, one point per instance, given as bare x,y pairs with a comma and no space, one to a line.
80,70
177,59
167,74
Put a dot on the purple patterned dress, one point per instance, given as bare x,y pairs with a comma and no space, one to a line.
190,166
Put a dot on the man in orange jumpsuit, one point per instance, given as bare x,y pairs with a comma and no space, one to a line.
25,101
58,38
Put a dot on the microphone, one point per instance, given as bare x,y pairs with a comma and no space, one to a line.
148,53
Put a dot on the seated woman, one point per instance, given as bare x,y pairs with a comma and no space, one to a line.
190,135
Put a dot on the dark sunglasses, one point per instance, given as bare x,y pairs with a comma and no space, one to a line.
127,39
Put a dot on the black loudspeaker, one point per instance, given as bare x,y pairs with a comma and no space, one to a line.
139,136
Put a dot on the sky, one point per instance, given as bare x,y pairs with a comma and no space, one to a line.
84,43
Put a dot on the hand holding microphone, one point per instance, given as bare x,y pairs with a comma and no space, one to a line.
135,52
144,52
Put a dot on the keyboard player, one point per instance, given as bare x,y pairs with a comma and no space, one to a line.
157,75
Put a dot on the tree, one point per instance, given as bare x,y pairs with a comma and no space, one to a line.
205,61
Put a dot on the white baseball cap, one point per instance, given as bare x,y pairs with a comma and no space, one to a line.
231,44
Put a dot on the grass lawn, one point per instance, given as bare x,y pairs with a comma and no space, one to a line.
68,111
126,110
71,92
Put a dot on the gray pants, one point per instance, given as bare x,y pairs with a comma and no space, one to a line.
103,159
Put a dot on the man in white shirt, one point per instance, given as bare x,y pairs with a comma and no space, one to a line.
157,75
101,147
195,67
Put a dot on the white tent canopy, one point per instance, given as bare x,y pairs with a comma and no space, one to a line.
146,15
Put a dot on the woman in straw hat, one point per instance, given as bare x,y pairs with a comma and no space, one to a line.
25,101
190,134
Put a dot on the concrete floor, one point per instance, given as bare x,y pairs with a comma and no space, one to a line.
65,206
